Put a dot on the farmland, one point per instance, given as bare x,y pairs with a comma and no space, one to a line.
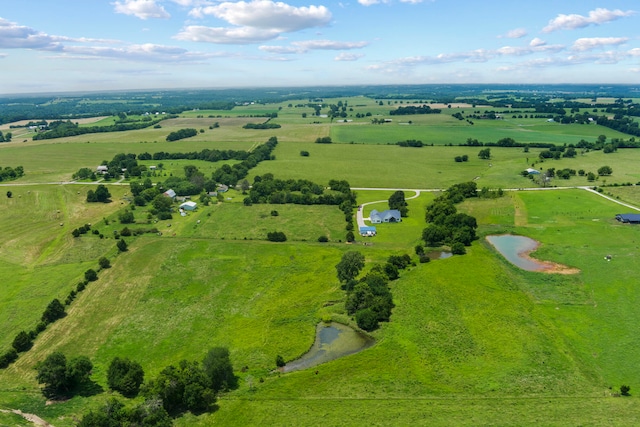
472,339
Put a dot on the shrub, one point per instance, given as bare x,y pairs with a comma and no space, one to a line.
8,358
323,239
280,361
53,312
104,262
90,275
122,245
276,236
125,376
457,248
22,342
624,390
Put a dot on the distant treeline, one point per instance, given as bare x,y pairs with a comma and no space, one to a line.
61,129
412,109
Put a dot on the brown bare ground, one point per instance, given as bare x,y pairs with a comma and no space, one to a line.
36,420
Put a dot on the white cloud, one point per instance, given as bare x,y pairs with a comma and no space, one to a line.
574,21
143,9
515,34
634,52
329,45
14,36
307,45
370,2
266,14
591,43
234,35
344,56
147,52
536,42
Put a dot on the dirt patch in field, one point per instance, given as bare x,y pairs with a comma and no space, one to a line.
36,420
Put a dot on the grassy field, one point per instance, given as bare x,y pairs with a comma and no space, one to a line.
472,340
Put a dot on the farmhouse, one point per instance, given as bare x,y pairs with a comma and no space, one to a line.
102,169
390,215
628,218
189,206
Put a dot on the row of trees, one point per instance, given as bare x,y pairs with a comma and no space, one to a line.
60,128
414,109
369,299
181,134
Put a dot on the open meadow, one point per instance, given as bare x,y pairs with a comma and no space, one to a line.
472,339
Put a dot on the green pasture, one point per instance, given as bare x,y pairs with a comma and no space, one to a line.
472,339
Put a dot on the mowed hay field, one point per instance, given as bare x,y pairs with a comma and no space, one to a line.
472,339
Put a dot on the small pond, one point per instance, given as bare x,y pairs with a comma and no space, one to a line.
439,254
516,249
333,341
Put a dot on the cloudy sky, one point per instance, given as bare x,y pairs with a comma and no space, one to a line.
79,45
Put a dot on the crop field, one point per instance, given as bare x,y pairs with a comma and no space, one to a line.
472,339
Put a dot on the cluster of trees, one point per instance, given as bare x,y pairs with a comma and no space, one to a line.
181,134
63,128
6,137
369,299
101,194
460,159
265,125
230,175
267,189
414,109
61,377
8,173
410,143
448,226
84,173
323,140
397,201
188,386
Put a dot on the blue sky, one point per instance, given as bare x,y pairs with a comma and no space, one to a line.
87,45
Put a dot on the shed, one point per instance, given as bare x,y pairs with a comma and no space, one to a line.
170,193
628,218
189,206
532,171
368,230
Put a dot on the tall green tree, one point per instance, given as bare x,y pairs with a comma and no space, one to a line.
349,266
217,365
397,201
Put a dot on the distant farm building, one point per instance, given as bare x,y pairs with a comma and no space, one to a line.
391,215
532,171
223,188
169,193
102,169
628,218
367,231
189,206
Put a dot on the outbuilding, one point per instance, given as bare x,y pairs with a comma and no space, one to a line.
628,218
189,206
